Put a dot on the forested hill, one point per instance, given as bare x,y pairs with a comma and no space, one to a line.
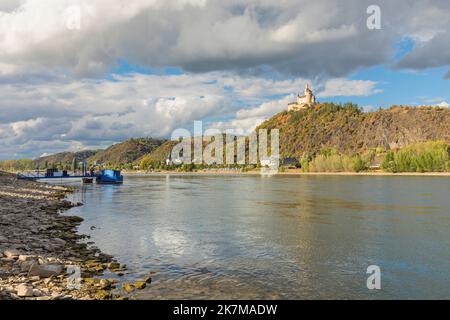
350,131
65,157
126,152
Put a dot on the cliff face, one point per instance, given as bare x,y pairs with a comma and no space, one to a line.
351,131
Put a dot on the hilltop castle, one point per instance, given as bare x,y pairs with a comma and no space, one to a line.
303,102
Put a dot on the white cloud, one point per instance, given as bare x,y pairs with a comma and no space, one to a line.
443,104
345,87
10,5
246,120
97,113
242,60
293,37
369,108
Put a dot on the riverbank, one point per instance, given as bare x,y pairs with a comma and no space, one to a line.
39,247
292,172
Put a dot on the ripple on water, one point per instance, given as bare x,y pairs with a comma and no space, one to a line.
247,237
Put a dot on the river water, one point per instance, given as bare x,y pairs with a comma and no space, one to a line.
279,237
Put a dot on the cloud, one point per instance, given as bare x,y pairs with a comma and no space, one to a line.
241,61
97,113
443,104
369,108
432,53
344,87
290,37
430,29
246,120
10,5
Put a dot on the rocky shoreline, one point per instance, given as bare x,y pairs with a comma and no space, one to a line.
41,255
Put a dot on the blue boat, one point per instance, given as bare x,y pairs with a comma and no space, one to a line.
109,177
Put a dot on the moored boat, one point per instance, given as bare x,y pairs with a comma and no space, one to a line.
88,180
109,177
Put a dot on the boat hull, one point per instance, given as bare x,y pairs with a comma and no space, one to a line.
100,180
109,177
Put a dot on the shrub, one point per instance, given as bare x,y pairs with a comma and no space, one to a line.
17,165
431,156
359,164
304,162
338,163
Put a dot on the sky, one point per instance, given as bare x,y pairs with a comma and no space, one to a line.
81,74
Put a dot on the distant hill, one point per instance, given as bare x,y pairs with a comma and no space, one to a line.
158,155
351,131
66,157
344,128
126,152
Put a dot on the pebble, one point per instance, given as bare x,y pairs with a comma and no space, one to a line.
113,265
148,279
46,270
36,242
103,295
11,253
37,293
24,291
26,265
128,287
23,257
140,285
56,295
59,242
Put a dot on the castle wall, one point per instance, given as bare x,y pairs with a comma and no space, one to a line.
303,102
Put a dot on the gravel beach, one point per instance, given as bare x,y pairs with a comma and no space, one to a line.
41,255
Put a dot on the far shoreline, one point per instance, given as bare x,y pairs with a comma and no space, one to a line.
289,173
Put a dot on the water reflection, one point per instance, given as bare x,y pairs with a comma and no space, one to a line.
278,237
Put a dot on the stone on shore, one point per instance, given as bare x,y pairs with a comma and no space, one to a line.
46,270
26,265
11,253
140,285
128,287
23,257
113,266
59,242
148,279
24,291
37,243
103,295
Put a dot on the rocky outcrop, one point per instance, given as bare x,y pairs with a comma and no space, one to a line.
351,131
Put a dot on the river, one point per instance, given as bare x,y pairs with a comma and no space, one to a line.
279,237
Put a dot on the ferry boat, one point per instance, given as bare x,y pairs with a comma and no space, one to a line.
109,177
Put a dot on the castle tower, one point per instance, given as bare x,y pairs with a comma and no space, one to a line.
305,101
309,96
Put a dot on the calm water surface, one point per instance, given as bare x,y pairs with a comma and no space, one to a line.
299,237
